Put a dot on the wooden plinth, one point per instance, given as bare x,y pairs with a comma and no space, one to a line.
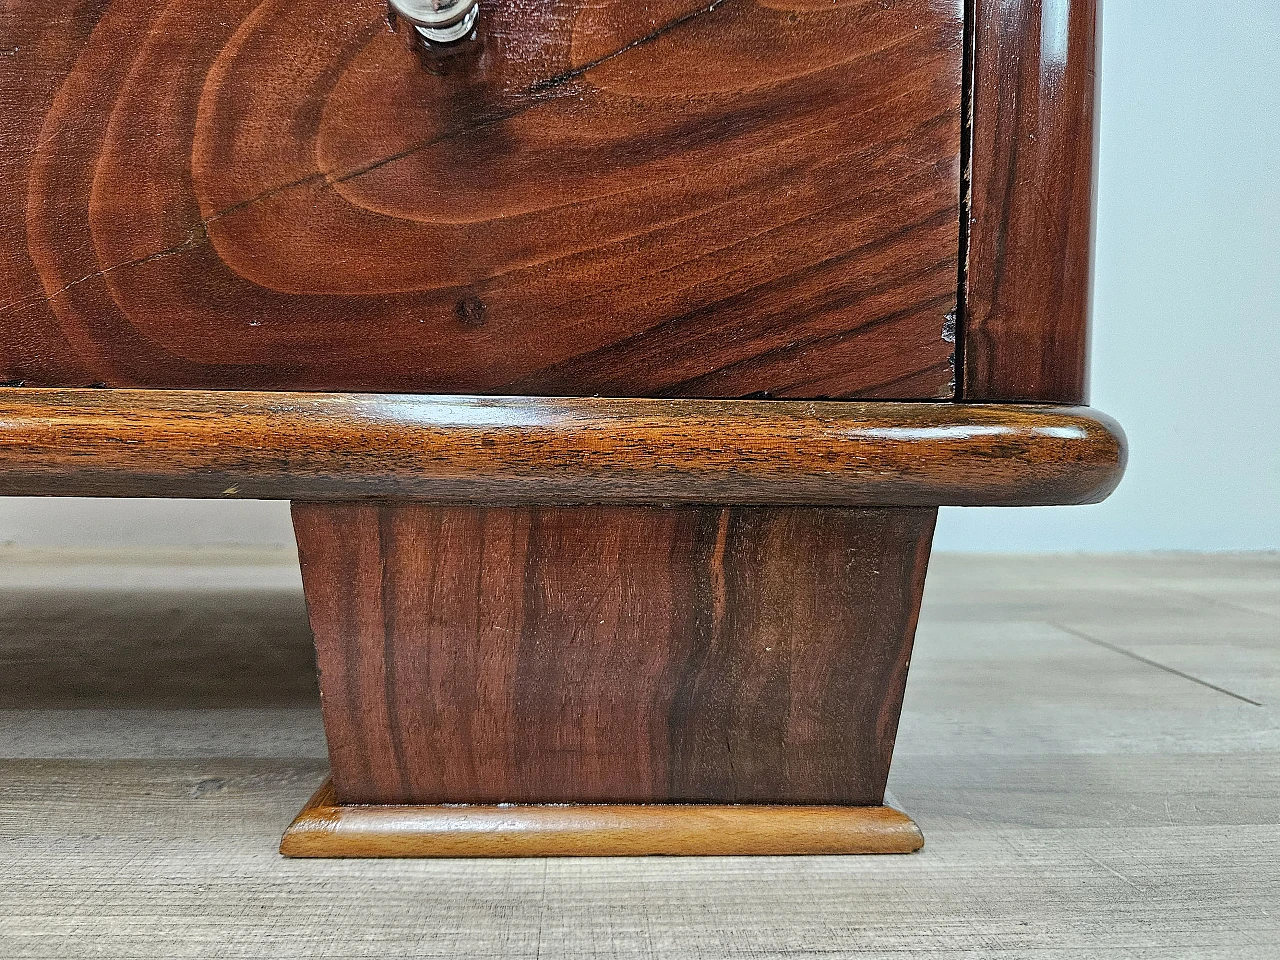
327,829
595,655
502,681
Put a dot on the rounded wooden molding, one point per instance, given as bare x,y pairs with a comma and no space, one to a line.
327,829
516,450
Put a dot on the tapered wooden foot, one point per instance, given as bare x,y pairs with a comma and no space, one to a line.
674,673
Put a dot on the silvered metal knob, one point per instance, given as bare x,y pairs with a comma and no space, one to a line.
440,21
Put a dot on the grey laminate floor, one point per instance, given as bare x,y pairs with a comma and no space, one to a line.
1092,746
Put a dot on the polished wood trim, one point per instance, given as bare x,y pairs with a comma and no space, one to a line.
311,446
326,829
1027,289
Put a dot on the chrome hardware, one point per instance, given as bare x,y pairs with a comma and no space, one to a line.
440,21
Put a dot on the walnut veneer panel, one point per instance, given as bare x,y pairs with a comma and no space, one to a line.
661,198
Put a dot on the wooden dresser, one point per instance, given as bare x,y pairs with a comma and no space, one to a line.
615,356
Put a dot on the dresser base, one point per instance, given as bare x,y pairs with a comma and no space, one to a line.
586,626
326,828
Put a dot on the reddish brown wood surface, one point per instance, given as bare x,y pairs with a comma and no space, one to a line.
661,198
1025,335
611,654
325,828
316,446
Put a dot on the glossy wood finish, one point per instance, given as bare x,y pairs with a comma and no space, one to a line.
325,828
529,450
611,654
1025,335
661,198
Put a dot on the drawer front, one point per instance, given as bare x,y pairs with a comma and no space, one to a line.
631,199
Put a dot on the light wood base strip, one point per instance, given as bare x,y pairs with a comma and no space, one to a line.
325,829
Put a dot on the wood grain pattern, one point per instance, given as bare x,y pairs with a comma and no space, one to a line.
156,443
666,198
1025,334
611,654
325,828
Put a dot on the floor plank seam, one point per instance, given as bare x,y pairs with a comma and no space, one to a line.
1152,663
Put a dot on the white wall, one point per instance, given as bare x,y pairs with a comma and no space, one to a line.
1186,346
